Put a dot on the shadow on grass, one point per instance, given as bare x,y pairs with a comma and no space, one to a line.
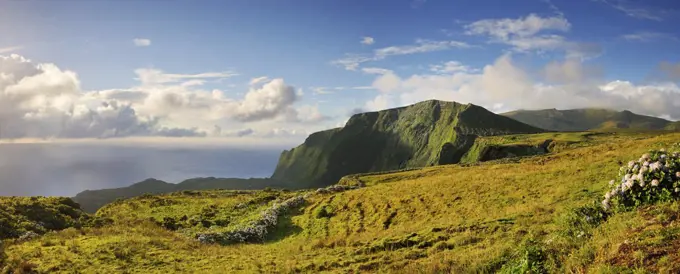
285,227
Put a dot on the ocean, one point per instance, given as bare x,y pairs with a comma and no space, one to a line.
64,169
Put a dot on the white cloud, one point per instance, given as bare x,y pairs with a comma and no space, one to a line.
380,102
141,42
266,102
648,36
305,114
352,61
376,70
258,80
639,12
43,101
533,33
421,46
9,49
508,29
450,67
323,90
367,40
387,82
154,76
503,86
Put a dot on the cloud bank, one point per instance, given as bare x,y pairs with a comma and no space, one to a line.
39,100
504,86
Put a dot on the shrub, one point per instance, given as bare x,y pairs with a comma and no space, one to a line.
3,255
579,222
531,259
325,211
655,177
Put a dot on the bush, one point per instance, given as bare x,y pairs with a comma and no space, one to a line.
325,211
579,222
3,255
531,259
655,177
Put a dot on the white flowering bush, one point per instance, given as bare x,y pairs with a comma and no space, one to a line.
654,177
335,188
257,230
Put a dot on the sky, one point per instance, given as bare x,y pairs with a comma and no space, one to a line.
273,71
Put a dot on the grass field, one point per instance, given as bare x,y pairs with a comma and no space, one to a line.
512,215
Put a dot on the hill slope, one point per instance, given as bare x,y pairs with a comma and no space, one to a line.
92,200
499,216
424,134
587,119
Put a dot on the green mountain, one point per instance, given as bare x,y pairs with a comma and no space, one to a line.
424,134
587,119
92,200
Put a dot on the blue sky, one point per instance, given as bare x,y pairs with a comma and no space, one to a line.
559,53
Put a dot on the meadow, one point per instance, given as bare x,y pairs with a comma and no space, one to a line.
524,214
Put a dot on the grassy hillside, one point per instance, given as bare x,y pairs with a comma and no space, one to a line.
587,119
92,200
424,134
511,216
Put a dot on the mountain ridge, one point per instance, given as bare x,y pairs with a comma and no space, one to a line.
587,119
427,133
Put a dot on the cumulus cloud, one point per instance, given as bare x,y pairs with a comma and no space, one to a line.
504,86
266,102
352,61
41,100
141,42
44,101
367,40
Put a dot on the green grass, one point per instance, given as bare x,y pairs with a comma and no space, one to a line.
509,215
193,212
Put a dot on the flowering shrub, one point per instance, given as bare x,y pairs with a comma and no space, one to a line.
335,188
652,178
257,230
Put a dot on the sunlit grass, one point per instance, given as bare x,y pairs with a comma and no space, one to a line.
473,218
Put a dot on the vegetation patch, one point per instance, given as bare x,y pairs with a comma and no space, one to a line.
26,217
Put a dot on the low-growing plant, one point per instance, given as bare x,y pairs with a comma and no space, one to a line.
654,177
530,258
579,222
